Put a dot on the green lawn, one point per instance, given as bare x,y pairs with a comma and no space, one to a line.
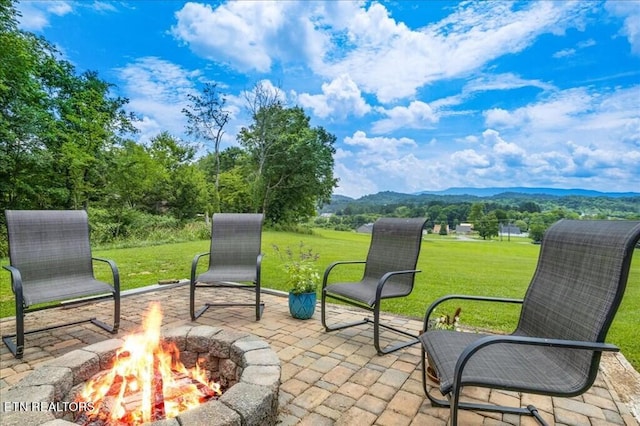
448,266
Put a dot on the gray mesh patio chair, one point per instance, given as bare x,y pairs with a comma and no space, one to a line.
567,310
50,261
234,259
389,272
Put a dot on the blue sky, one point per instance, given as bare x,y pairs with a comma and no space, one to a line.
420,95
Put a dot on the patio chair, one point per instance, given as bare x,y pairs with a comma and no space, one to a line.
234,259
389,272
566,312
50,261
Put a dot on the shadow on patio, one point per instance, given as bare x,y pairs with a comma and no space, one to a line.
328,378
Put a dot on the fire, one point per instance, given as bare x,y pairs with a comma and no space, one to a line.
147,381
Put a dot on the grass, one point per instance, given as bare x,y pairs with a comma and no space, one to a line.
448,266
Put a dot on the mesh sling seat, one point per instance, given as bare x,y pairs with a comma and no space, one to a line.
567,310
234,259
50,261
389,272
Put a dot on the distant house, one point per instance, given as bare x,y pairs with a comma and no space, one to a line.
437,228
509,230
367,228
463,228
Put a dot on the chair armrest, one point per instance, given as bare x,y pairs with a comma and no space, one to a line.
438,301
114,272
474,347
388,275
334,264
194,265
16,280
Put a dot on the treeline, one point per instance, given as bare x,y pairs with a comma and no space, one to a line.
530,213
67,143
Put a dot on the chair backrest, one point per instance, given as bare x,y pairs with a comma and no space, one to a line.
235,239
578,285
395,246
45,244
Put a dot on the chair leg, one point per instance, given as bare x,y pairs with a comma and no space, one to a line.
376,328
17,348
116,317
258,306
456,405
192,301
323,317
376,334
116,312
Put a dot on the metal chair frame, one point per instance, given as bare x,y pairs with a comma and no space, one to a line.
17,347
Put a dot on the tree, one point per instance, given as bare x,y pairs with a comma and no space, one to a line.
184,188
207,117
292,163
56,128
476,213
487,226
24,115
88,126
443,228
135,178
537,228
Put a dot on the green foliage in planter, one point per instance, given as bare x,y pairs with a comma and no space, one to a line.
301,273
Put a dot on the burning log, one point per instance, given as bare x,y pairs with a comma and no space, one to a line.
157,395
146,383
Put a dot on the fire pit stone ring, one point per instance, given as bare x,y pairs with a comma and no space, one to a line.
244,364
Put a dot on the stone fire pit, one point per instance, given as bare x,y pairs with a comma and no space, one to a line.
243,363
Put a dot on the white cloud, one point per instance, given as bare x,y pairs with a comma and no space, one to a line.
383,163
418,115
340,98
470,158
381,55
630,12
157,89
504,81
507,153
353,182
564,53
379,146
36,15
250,35
392,61
558,110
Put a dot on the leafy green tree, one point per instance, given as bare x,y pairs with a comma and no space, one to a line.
183,187
235,196
25,164
135,177
537,228
189,192
487,226
530,207
476,212
56,128
89,124
443,228
292,163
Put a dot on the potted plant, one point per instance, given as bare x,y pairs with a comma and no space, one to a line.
443,322
302,279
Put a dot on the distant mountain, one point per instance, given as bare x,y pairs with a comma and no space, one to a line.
579,200
489,192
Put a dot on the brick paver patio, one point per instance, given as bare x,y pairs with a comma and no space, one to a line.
327,378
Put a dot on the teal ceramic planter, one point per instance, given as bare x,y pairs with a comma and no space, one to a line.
302,306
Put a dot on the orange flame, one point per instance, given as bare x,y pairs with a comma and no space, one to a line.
147,381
